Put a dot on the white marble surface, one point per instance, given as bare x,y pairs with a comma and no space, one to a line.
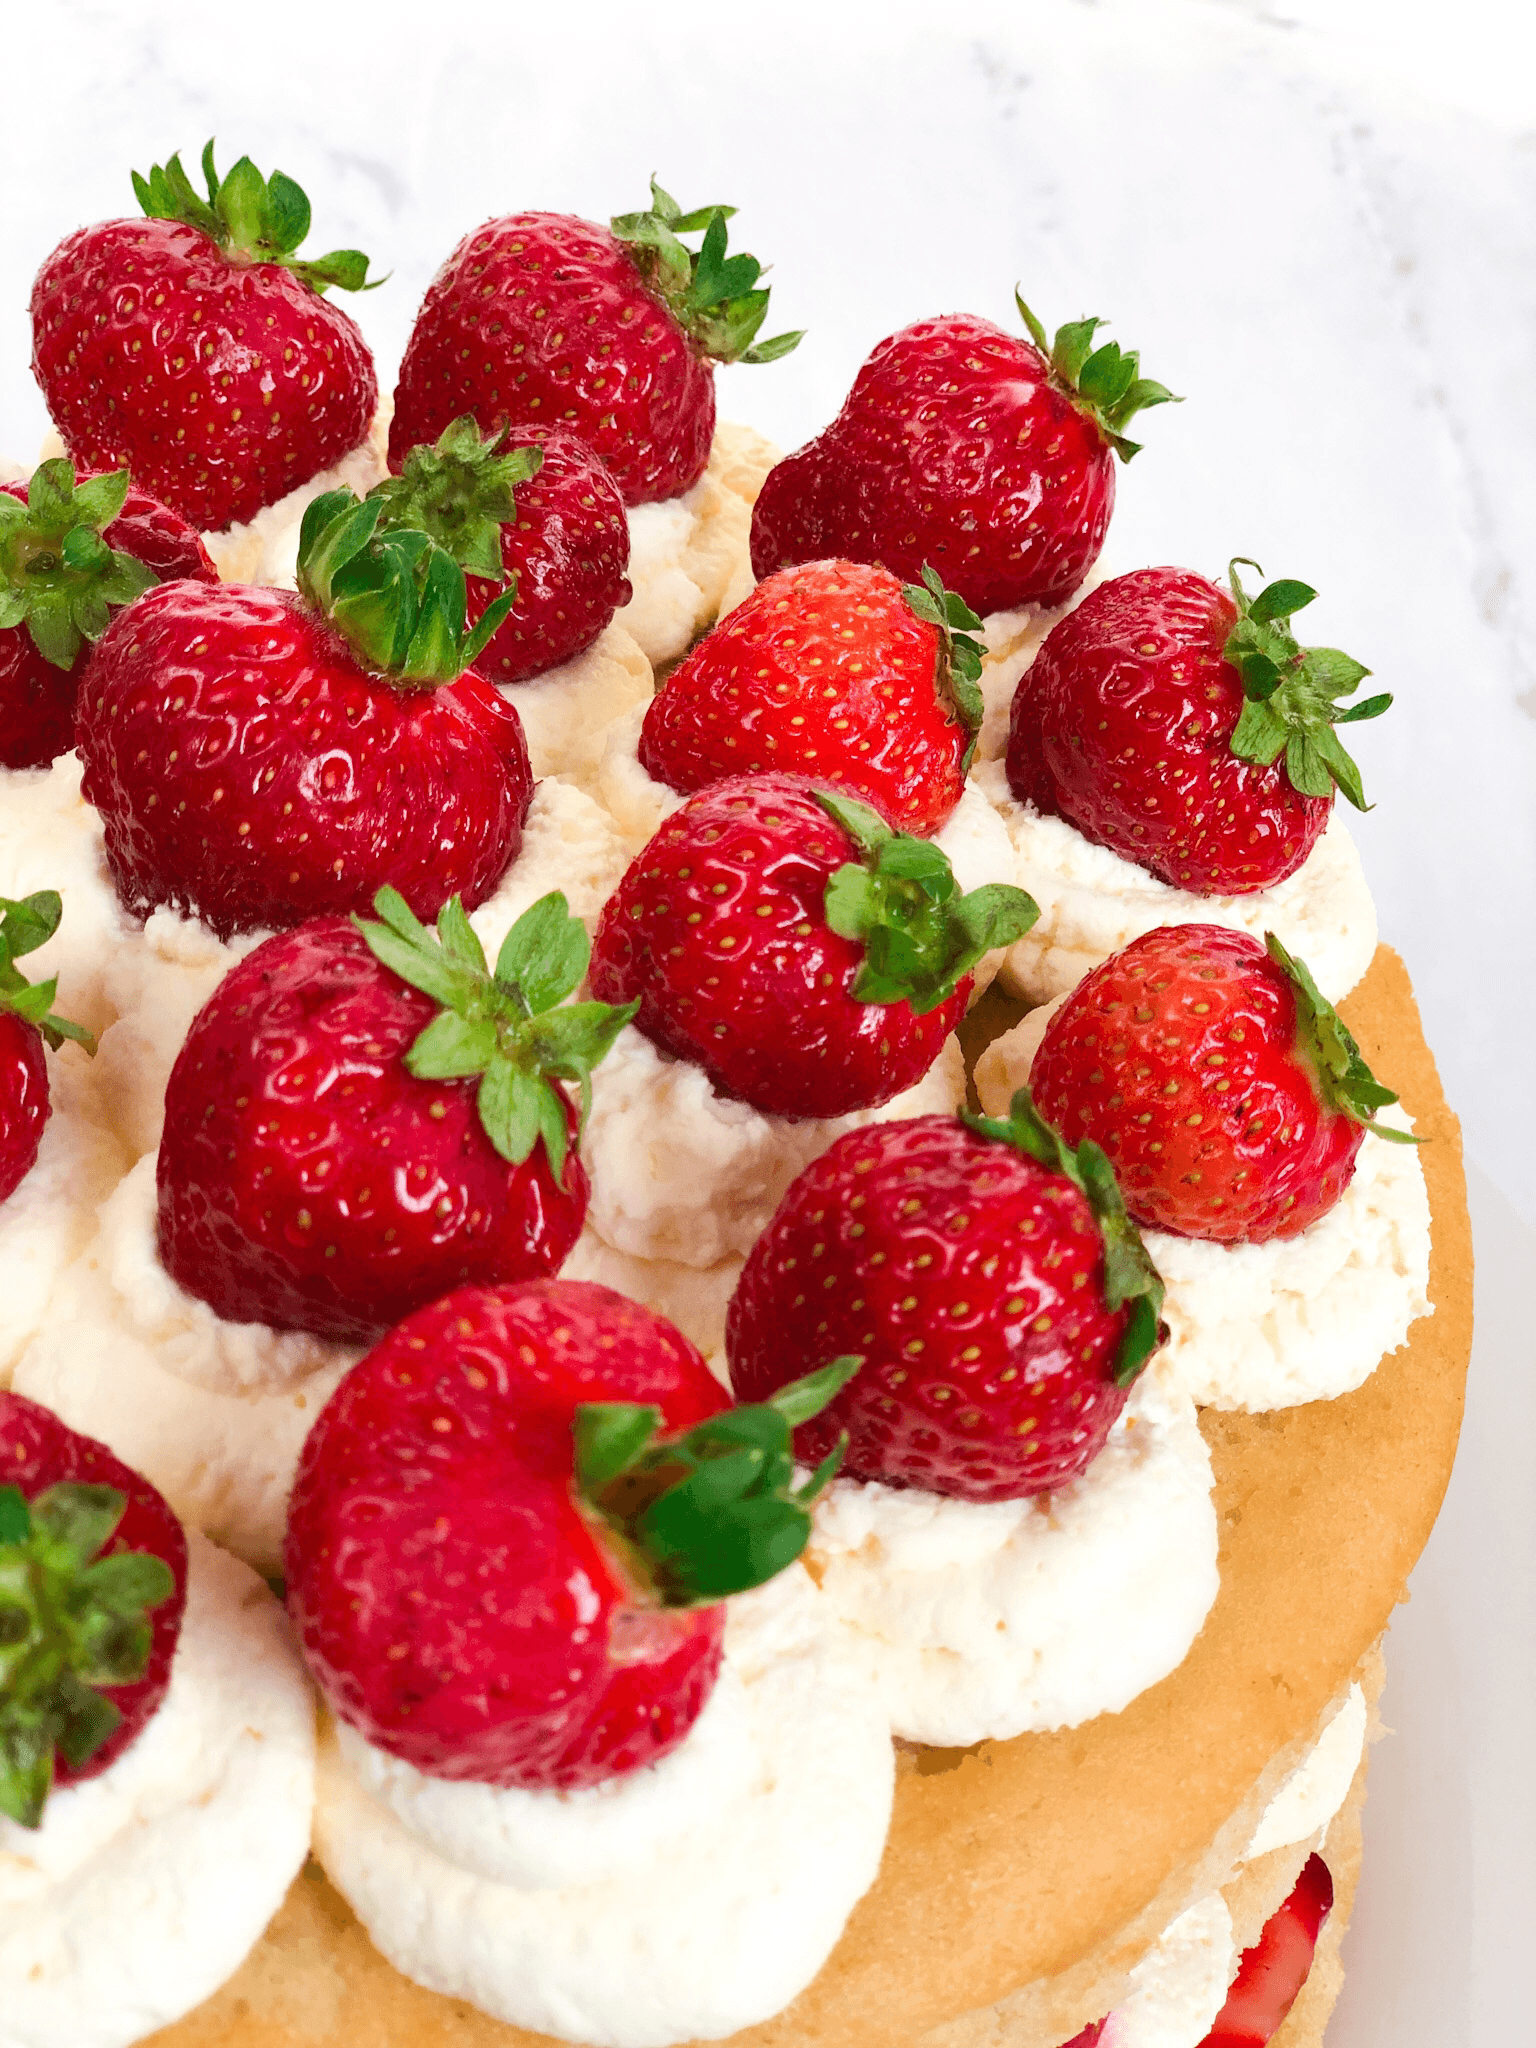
1316,218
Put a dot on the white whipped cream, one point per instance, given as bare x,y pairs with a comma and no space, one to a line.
984,1620
682,1903
680,1172
567,712
50,838
1093,902
145,1889
266,549
1313,1793
1181,1984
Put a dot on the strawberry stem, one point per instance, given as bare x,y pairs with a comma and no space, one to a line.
58,577
24,926
1105,382
1327,1045
461,493
716,299
958,676
255,219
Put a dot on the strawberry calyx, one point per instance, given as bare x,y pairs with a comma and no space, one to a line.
71,1621
1325,1042
1104,382
1130,1278
714,298
714,1511
24,926
58,577
960,655
253,219
513,1028
392,592
920,936
1292,691
460,492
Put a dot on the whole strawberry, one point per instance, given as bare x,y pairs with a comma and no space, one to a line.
93,1581
543,518
539,319
288,1197
834,670
785,940
988,1275
69,555
27,1022
196,349
1184,728
988,456
260,757
513,1525
1229,1095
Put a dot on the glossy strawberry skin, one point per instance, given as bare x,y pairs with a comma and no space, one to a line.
307,1180
718,930
539,319
37,698
37,1451
824,670
1123,723
222,386
971,1281
250,771
23,1099
1179,1055
454,1603
1270,1976
569,550
953,448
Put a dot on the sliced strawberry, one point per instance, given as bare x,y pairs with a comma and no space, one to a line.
1270,1976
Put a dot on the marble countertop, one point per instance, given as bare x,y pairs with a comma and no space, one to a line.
1317,220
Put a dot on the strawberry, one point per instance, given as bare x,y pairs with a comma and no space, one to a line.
513,1525
1154,719
835,670
93,1581
784,939
26,1023
1227,1092
539,319
260,757
196,349
544,517
291,1196
1270,1976
69,554
988,456
990,1279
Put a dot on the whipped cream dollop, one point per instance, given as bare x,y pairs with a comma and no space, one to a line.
50,838
1010,641
568,712
678,1903
266,549
1093,902
145,1888
987,1619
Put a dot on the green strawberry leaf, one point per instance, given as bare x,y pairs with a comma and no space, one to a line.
57,574
957,677
462,492
1103,382
1326,1045
545,954
714,297
252,218
24,926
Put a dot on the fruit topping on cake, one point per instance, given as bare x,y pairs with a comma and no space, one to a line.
364,1117
93,1575
515,1523
27,1023
541,319
986,455
260,757
538,514
1228,1094
196,348
71,553
833,670
786,940
989,1277
1182,726
1270,1976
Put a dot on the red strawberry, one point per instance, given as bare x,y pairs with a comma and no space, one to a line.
986,455
289,1195
544,515
811,961
1270,1976
93,1581
538,319
260,757
1228,1094
68,556
496,1568
1154,718
26,1021
195,349
1001,1301
832,670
